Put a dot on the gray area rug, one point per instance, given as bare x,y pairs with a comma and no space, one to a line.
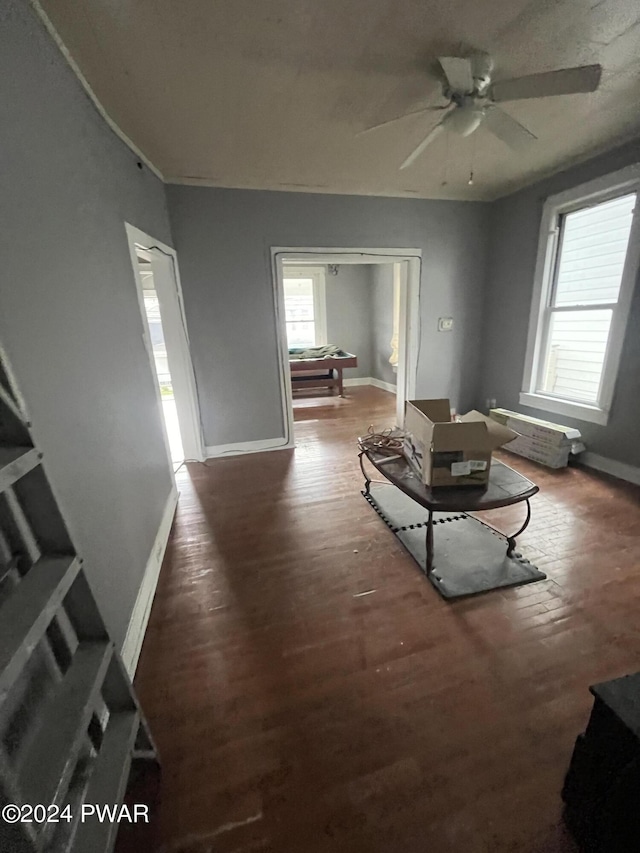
469,557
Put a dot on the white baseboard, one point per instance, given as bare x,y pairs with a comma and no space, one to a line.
610,466
142,608
241,447
384,386
359,380
370,380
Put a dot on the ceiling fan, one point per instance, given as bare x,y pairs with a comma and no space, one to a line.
472,99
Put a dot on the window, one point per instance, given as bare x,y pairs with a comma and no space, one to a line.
304,302
586,270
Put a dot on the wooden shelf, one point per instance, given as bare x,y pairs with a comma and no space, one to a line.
51,757
27,613
108,782
15,462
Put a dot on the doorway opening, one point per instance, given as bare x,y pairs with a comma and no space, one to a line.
160,359
361,308
165,335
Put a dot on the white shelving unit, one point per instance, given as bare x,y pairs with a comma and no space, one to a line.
70,723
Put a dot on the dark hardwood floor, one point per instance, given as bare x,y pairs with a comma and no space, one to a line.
294,716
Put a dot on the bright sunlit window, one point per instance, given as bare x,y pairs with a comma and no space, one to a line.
589,268
304,302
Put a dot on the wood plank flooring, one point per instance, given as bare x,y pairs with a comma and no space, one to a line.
295,715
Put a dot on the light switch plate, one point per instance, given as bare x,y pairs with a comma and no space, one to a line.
445,324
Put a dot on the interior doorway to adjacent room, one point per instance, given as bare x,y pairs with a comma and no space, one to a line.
361,303
165,334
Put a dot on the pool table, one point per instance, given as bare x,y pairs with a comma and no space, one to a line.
325,372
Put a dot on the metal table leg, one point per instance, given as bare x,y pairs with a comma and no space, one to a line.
430,543
367,479
511,540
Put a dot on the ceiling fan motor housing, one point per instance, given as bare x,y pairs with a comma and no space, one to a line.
482,69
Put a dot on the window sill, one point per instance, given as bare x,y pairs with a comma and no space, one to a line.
581,411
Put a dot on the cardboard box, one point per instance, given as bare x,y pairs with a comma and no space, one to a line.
451,454
552,457
556,434
542,441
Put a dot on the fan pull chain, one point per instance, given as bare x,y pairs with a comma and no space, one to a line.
473,157
445,177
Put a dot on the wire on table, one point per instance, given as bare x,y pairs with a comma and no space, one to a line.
386,441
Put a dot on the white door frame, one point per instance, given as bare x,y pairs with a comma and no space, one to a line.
409,331
166,277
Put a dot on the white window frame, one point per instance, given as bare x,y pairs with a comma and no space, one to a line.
601,189
317,274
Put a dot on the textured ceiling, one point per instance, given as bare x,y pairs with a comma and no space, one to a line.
271,94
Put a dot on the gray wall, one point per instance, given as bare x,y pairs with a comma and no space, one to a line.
349,314
515,223
382,324
223,238
69,318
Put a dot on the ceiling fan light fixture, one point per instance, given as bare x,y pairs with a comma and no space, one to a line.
465,119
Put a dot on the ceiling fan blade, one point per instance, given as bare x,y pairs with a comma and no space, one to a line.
458,72
433,134
506,128
399,118
565,81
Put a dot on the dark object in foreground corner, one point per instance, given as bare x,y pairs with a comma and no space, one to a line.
602,787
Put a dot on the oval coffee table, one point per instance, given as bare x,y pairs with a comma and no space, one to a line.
466,556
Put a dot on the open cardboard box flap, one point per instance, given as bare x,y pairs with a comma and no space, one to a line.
471,435
423,416
437,411
494,435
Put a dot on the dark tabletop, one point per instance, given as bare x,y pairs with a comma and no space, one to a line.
505,487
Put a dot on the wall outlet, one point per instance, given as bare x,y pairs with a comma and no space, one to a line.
445,324
491,402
